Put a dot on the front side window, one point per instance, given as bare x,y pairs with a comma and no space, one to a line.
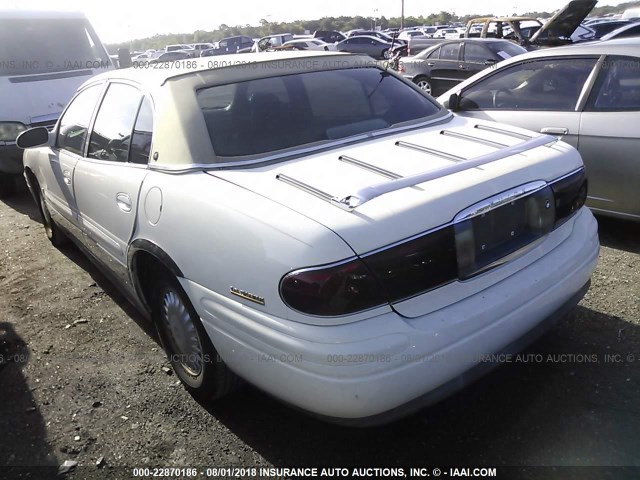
278,113
617,87
549,84
450,51
75,121
475,53
111,135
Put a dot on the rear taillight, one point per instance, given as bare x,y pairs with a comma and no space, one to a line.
332,290
416,266
570,195
391,275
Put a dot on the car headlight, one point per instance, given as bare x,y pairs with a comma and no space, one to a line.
9,131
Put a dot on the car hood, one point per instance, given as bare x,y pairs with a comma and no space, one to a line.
35,98
408,211
566,20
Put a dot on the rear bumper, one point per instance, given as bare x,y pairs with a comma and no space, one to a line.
10,158
387,366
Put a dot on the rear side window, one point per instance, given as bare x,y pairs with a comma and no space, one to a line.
618,86
142,134
75,121
271,114
111,135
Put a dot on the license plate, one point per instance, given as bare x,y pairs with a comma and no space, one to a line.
493,237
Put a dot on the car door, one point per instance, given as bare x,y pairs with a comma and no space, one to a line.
475,58
108,179
69,147
541,95
445,71
610,137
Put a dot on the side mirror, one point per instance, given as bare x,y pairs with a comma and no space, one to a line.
453,103
34,137
490,61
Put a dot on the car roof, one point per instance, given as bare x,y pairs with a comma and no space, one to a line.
158,76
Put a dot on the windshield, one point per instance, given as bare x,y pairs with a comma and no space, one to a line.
278,113
37,45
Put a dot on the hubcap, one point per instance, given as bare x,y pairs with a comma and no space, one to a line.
387,54
182,333
424,85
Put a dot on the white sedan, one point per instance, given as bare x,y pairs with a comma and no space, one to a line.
308,44
316,225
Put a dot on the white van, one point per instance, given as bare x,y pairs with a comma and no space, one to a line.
44,58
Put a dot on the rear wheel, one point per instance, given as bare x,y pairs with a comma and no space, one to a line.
425,84
187,344
386,54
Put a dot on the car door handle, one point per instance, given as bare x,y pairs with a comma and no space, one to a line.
555,130
463,67
124,202
431,64
66,174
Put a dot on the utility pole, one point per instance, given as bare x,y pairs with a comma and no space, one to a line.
402,16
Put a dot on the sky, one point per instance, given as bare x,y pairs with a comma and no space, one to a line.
122,20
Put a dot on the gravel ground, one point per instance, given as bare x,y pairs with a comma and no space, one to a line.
82,378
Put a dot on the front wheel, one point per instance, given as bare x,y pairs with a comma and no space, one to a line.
187,344
55,235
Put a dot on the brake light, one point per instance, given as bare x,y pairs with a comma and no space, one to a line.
391,275
332,290
570,195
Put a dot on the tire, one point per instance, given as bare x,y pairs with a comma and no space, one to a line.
425,84
7,185
187,345
55,235
386,54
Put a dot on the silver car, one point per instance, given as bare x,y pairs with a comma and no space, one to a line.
588,94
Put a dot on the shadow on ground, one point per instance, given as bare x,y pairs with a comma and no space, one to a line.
23,442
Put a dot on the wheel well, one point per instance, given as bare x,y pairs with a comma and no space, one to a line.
147,269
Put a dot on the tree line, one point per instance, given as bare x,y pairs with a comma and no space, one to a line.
342,24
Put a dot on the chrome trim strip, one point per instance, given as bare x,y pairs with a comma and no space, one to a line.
431,151
369,167
293,154
366,194
497,201
471,138
487,128
588,85
303,186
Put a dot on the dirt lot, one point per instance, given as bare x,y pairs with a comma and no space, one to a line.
82,378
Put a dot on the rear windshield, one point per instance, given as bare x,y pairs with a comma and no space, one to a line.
44,45
271,114
506,49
